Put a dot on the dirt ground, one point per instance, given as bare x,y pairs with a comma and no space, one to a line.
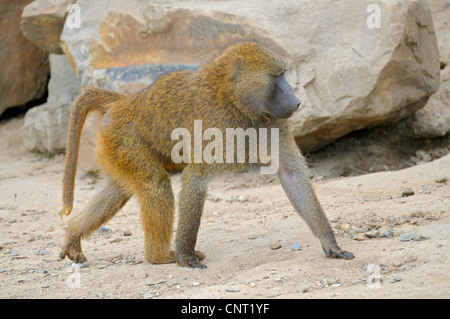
256,245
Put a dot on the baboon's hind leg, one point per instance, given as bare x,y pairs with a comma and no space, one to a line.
102,207
157,214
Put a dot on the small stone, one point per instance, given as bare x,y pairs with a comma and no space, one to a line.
279,279
396,279
127,233
408,237
441,179
426,158
388,234
116,240
336,284
195,284
242,199
229,199
157,281
276,245
43,252
407,193
232,289
420,154
104,230
304,288
252,285
372,234
15,253
417,214
31,238
359,237
79,265
140,274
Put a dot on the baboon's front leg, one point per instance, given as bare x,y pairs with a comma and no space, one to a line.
192,199
292,173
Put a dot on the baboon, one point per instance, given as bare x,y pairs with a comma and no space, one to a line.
243,87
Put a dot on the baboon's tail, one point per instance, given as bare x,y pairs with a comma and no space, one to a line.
90,99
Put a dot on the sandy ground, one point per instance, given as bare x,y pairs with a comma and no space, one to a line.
256,245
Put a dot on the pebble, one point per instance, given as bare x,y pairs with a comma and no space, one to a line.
140,274
232,289
242,199
420,154
426,158
155,281
372,234
304,288
441,179
15,253
407,193
388,234
396,279
195,284
412,236
276,246
79,265
127,233
359,237
104,230
116,240
43,252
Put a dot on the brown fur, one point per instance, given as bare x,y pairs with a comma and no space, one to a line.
134,150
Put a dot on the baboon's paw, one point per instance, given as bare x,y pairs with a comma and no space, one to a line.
339,253
165,259
72,249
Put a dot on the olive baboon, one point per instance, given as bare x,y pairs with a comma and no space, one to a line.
243,87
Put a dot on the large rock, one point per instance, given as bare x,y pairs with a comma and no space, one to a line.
118,33
43,21
433,120
45,126
349,75
24,67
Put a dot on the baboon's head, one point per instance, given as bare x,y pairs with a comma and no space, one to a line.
258,82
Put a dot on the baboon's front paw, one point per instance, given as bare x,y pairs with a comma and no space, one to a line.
72,249
74,255
339,253
191,261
